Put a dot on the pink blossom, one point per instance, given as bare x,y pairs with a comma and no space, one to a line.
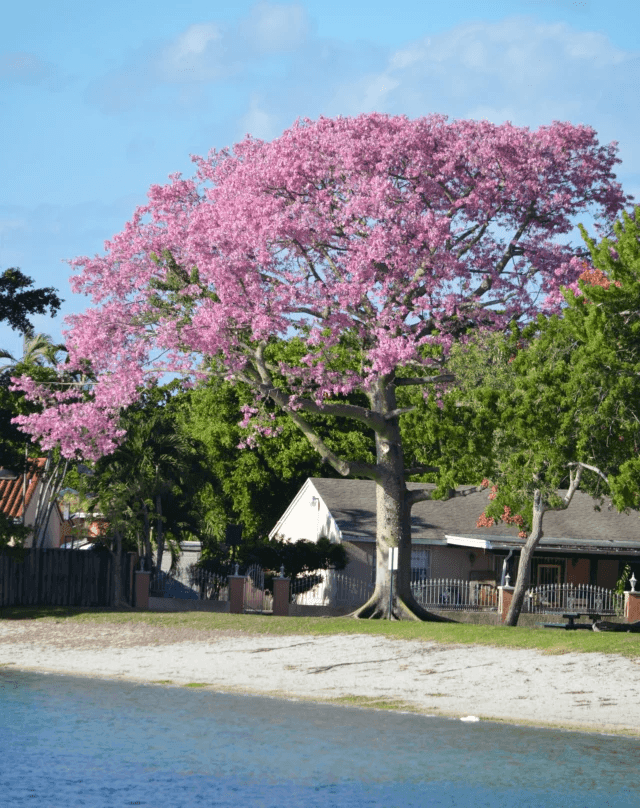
393,231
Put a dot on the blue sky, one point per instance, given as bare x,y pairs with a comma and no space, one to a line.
99,101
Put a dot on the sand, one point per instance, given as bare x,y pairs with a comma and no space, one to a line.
592,692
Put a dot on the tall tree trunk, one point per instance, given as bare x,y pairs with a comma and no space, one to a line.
117,574
524,566
148,557
540,506
50,485
393,521
159,532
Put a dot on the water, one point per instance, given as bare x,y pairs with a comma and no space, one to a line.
68,741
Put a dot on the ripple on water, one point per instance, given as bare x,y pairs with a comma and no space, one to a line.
69,741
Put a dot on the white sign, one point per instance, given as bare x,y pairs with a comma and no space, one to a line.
393,558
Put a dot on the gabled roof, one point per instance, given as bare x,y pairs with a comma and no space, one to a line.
13,493
352,503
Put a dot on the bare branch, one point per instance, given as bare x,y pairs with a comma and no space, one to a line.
591,468
509,253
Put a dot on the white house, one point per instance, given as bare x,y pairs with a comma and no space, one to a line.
580,545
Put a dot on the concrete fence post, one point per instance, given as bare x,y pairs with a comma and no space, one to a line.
505,596
143,578
281,597
236,593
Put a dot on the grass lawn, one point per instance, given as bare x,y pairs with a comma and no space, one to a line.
549,641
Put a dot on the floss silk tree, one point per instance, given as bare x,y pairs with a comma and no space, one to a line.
369,244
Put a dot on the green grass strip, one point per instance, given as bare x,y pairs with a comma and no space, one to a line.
550,641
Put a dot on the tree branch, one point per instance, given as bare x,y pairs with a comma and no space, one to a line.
397,413
421,470
346,468
591,468
405,381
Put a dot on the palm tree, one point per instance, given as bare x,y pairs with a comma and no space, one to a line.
153,464
37,349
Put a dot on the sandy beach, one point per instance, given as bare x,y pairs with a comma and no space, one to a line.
593,692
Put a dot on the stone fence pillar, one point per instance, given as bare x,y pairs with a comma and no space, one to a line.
143,578
632,607
236,593
505,596
281,597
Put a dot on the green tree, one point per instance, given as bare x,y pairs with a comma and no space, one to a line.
565,392
18,300
151,481
38,361
254,476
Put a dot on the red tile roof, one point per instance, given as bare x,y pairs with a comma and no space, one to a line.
11,491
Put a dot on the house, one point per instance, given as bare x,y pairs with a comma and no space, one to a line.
81,530
580,545
19,499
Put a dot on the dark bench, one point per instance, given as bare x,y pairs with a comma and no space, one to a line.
571,618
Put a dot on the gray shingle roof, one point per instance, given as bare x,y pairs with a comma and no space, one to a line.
353,505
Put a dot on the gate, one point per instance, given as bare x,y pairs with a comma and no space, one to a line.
256,597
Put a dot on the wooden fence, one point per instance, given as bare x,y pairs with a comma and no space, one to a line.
53,577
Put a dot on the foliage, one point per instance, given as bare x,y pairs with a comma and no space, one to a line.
566,391
10,531
623,580
298,558
567,388
39,356
18,300
253,485
151,478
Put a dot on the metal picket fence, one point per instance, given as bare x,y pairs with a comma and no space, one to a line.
454,594
572,598
330,588
192,583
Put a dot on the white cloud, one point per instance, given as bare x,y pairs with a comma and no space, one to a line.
273,27
258,122
197,54
536,71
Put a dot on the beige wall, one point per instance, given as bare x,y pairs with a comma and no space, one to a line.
456,562
362,559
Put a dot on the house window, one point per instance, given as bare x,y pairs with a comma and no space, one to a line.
420,562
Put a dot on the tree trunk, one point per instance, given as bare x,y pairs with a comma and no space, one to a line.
117,574
160,533
148,558
393,522
524,567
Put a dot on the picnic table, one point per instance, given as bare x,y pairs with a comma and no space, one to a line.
571,618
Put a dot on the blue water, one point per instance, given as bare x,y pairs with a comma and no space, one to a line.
67,741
